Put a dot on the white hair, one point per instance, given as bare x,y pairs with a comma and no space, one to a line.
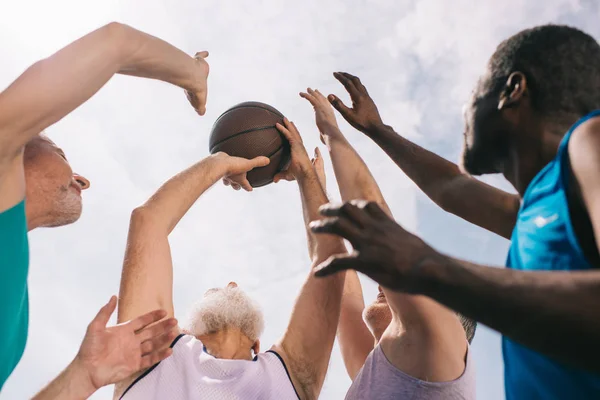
223,308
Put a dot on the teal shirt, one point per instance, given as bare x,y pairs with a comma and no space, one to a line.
14,302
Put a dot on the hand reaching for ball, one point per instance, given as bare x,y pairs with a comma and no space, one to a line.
236,169
300,162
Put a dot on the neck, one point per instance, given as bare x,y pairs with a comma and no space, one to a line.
532,152
230,344
36,217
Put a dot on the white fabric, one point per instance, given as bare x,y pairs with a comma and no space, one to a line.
190,373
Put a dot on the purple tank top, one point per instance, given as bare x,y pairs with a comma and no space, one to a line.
380,380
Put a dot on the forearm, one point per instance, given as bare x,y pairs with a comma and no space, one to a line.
354,179
427,170
173,199
72,384
555,313
55,86
355,340
313,196
444,183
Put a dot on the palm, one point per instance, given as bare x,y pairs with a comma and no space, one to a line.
113,354
109,355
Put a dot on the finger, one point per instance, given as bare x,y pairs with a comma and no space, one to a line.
235,186
340,106
340,226
156,330
318,155
355,81
335,264
354,210
319,95
201,96
226,182
159,343
246,185
289,131
310,98
101,319
375,211
201,54
142,321
285,176
258,162
347,82
154,358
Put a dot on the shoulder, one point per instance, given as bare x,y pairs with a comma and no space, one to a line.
584,151
586,136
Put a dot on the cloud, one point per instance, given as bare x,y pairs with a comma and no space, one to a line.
419,60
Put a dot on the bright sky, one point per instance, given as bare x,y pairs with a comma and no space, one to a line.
419,60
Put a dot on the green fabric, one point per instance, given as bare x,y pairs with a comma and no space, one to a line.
14,302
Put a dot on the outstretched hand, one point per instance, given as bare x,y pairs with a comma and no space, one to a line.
383,250
324,114
363,115
197,95
109,355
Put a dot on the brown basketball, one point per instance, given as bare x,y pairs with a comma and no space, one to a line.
248,130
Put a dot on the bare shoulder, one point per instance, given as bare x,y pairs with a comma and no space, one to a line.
301,372
585,135
584,150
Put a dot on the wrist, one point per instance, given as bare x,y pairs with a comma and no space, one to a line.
305,170
379,130
219,162
80,380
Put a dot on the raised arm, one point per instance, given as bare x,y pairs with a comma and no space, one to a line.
52,88
555,313
147,278
307,343
430,322
441,180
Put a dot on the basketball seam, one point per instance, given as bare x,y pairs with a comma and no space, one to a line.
244,132
247,106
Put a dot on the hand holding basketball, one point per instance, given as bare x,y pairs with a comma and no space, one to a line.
300,162
236,169
197,95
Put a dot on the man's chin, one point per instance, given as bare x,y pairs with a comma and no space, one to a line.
474,163
65,217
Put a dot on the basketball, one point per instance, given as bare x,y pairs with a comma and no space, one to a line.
248,130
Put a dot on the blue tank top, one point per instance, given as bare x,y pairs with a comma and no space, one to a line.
543,239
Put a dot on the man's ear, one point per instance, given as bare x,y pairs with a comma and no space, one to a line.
514,91
256,347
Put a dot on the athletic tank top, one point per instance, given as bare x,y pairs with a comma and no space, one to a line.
190,374
378,379
543,239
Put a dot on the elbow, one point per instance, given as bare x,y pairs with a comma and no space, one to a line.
144,217
121,40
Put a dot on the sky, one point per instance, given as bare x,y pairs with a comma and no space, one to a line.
419,60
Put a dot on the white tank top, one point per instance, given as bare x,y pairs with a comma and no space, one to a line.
190,373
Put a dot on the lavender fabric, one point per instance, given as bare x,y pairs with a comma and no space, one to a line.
380,380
